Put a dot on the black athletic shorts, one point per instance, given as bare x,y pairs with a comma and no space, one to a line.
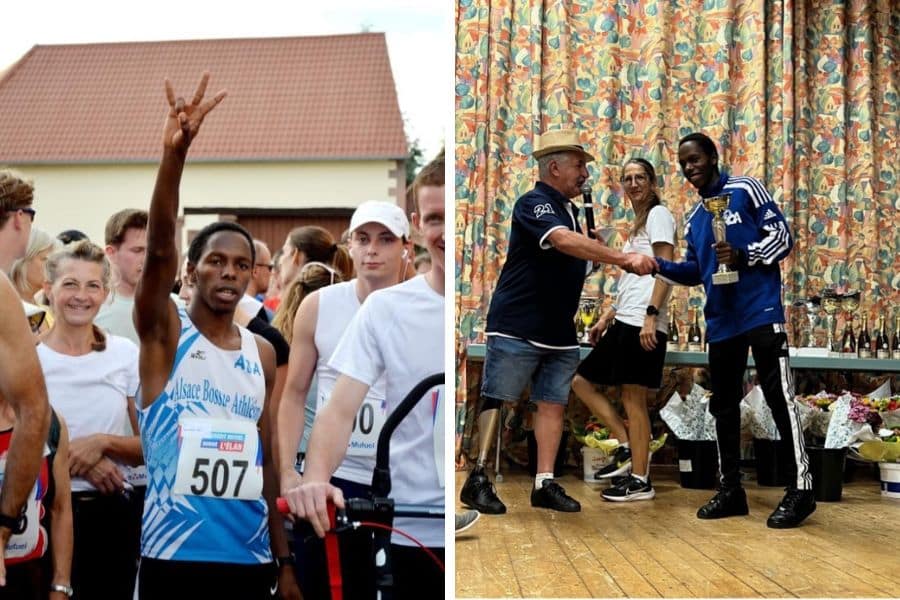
618,358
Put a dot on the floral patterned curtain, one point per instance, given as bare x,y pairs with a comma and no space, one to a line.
802,94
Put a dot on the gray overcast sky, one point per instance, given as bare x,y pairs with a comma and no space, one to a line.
417,36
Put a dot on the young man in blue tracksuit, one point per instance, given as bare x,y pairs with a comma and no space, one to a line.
742,315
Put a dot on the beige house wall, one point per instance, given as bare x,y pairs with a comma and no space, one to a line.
83,196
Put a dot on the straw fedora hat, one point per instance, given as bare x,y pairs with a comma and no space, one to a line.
559,140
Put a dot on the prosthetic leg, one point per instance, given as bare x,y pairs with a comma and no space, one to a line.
478,491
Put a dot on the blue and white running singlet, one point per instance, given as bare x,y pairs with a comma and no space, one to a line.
204,456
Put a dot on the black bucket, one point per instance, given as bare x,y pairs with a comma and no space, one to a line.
560,463
773,459
827,468
698,464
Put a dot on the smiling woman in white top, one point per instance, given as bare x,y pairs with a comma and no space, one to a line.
91,381
633,347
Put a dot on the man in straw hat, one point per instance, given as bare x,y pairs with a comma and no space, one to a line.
530,324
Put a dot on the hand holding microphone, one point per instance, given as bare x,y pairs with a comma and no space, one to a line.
588,204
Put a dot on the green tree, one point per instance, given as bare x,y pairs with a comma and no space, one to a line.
414,160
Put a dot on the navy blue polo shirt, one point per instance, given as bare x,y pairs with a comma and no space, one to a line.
539,288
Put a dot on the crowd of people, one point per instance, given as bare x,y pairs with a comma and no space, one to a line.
153,406
531,336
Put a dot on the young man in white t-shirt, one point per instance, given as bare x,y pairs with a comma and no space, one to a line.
379,247
126,245
399,334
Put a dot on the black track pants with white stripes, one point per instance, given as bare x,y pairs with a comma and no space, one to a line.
727,363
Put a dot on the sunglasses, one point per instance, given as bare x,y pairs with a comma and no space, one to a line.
30,212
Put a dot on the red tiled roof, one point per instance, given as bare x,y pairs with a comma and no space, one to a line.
298,98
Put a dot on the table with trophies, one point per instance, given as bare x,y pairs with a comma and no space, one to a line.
852,352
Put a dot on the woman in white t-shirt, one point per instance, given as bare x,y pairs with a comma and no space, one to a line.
633,348
91,380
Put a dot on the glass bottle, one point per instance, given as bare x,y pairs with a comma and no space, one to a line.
848,341
674,342
695,338
864,343
895,342
882,343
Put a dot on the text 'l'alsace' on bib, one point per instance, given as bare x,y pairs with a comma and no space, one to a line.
218,458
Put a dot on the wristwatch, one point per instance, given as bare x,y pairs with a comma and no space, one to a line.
65,589
652,311
16,525
284,561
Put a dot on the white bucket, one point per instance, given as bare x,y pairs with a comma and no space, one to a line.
890,479
594,460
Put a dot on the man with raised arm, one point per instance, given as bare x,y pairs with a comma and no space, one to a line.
205,385
21,380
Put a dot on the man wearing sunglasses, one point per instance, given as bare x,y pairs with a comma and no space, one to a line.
21,380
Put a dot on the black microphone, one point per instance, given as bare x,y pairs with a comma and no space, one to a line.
588,204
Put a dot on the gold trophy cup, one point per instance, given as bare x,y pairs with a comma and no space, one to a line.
716,206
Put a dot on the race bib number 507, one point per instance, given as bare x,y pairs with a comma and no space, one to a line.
217,458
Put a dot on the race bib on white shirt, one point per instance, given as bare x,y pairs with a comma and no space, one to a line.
217,459
367,425
25,543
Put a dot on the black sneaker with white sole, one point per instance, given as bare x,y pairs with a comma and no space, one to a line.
620,465
629,490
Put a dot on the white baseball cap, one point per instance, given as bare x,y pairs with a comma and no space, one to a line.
384,213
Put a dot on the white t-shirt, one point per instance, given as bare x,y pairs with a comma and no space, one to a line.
115,317
635,291
91,391
399,332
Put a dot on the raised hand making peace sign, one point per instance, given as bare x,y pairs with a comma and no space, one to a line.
183,120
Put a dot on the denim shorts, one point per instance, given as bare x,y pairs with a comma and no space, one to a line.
509,364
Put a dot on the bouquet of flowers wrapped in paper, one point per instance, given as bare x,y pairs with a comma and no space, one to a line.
886,449
887,409
855,418
594,434
758,416
689,417
815,412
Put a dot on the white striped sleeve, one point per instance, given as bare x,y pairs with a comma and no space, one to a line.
771,248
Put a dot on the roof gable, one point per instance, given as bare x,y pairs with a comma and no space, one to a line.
299,98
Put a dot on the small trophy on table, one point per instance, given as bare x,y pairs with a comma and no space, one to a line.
587,314
716,206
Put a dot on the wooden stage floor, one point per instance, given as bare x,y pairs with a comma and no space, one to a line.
658,548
